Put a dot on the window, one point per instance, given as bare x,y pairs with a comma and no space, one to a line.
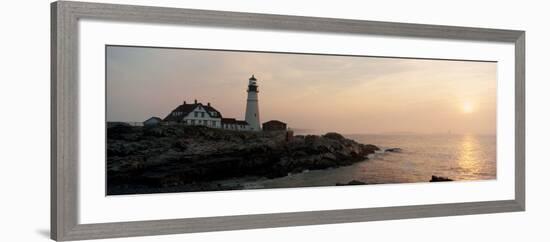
196,114
202,114
213,123
193,122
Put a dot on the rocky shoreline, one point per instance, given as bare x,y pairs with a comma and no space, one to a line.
192,158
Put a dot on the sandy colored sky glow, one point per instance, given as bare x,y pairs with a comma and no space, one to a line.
350,95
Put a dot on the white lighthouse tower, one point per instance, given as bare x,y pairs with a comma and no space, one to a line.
252,116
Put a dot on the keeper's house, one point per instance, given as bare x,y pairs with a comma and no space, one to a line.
198,114
195,114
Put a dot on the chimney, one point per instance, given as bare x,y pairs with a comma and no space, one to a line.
195,101
184,102
208,104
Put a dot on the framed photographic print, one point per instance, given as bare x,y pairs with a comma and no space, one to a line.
169,120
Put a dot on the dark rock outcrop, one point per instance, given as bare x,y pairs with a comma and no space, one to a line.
353,182
395,150
161,157
440,179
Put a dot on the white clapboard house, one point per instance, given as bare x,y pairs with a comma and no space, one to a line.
199,114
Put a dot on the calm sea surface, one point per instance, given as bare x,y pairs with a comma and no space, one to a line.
459,157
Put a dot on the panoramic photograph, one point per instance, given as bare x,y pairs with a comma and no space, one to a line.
192,120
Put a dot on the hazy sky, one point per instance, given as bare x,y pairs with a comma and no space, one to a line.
322,93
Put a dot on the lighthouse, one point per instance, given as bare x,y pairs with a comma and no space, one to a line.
252,115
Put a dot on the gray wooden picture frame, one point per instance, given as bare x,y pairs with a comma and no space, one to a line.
64,118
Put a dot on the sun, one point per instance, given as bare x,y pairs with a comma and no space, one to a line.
467,107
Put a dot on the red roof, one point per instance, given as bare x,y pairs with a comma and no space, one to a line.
187,108
233,121
274,122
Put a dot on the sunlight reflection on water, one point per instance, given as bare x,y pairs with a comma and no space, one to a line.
459,157
468,159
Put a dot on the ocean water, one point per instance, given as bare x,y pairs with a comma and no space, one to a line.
459,157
